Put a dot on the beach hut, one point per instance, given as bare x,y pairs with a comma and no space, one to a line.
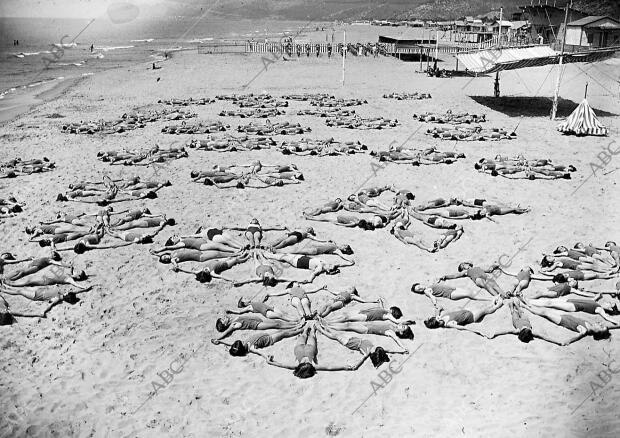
593,32
583,121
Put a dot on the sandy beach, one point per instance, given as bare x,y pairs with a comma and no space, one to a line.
88,369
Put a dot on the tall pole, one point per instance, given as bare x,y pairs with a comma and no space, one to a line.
437,45
499,30
554,108
344,52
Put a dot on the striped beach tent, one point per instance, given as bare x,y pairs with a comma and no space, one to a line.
583,121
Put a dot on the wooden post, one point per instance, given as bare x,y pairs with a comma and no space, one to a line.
344,52
556,93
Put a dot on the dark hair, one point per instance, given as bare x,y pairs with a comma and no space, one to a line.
169,242
269,281
525,335
146,239
238,348
163,257
6,318
71,298
396,312
379,357
44,242
433,323
405,334
545,263
170,222
413,287
79,248
82,276
56,256
346,249
614,310
560,278
462,267
151,195
478,166
204,276
220,326
304,370
601,335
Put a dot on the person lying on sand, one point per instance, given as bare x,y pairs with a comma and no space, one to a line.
314,249
329,207
226,325
293,237
458,319
35,265
410,237
213,268
299,298
480,277
254,232
353,222
316,265
197,243
341,299
392,314
218,235
48,278
260,307
442,290
306,355
584,328
584,254
6,258
265,274
579,305
551,263
380,328
522,327
378,355
258,341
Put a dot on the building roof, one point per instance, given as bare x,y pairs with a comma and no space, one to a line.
493,60
588,21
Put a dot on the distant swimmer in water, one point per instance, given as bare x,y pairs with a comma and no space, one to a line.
584,328
459,319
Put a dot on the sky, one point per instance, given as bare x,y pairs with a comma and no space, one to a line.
92,8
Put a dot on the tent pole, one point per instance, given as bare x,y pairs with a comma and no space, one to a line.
344,52
585,94
496,87
556,93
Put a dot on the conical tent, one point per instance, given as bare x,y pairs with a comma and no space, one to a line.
583,121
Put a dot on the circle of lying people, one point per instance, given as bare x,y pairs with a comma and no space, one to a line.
19,167
521,168
568,269
218,249
417,157
254,175
438,213
338,319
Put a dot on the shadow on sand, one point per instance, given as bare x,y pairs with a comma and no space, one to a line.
532,106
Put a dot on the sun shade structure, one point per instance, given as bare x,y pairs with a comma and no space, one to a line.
583,121
494,60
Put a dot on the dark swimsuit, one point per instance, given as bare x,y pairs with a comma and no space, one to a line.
374,314
582,305
431,220
298,236
260,340
212,232
253,228
303,262
461,317
561,289
362,345
569,263
572,322
475,273
479,202
248,322
193,243
186,255
577,275
493,209
442,290
261,270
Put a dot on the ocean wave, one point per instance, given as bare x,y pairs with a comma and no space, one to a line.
24,54
65,45
146,40
199,40
107,49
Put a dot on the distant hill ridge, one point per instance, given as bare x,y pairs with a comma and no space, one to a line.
348,10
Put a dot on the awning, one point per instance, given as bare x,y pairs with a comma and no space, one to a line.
493,60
